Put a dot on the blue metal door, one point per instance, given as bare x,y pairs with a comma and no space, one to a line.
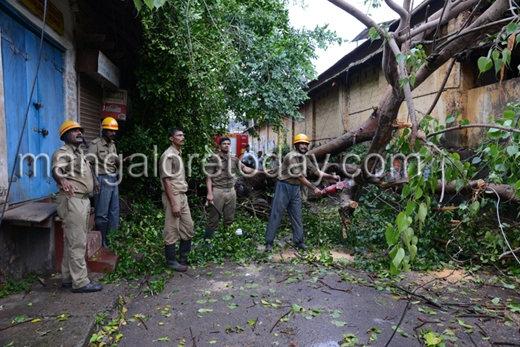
20,51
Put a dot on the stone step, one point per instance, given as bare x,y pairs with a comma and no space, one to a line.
94,242
98,259
103,260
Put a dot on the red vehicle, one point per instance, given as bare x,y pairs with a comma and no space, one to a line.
238,142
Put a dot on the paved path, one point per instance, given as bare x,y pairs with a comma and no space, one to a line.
271,304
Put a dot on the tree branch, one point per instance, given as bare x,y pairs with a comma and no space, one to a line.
403,13
493,13
360,16
452,11
489,126
441,89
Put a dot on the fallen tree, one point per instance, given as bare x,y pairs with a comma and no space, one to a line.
450,174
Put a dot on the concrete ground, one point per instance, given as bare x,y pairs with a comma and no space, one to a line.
279,303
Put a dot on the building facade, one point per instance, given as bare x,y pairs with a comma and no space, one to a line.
344,96
51,71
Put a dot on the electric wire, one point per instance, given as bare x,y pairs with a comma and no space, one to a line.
501,227
26,112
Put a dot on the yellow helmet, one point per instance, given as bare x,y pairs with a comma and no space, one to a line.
110,124
70,124
301,138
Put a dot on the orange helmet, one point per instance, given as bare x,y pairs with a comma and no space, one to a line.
110,124
68,125
301,138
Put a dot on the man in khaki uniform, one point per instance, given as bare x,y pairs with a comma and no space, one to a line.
102,155
178,224
75,180
287,196
220,180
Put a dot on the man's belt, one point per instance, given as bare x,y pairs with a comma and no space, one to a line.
226,190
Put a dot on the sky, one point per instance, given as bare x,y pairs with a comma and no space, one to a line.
321,12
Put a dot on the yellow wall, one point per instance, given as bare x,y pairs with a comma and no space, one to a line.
339,108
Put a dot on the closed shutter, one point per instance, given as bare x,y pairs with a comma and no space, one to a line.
90,107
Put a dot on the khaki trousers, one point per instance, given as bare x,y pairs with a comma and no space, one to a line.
177,228
225,200
74,213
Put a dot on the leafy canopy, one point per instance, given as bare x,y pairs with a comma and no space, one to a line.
203,62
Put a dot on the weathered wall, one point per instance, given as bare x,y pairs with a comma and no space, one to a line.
328,120
366,86
22,248
488,102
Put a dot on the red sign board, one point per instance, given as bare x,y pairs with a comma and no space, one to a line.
114,104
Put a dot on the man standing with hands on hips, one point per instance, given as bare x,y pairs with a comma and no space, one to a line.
178,225
75,180
103,156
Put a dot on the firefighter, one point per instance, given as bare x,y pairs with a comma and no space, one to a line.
295,167
178,225
103,157
221,175
76,181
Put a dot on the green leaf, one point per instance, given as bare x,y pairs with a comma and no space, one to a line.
398,258
204,310
512,150
432,340
484,64
392,235
413,252
418,193
335,314
339,323
373,34
423,210
474,207
459,183
18,319
410,207
403,221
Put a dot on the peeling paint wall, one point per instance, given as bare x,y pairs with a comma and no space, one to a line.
488,102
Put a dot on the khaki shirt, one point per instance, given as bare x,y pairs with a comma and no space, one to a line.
102,156
294,164
223,172
75,168
171,165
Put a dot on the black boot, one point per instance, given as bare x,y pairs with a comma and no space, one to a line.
208,234
104,239
184,249
171,262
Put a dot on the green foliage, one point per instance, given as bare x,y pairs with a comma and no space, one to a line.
204,62
14,285
413,61
469,224
499,54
